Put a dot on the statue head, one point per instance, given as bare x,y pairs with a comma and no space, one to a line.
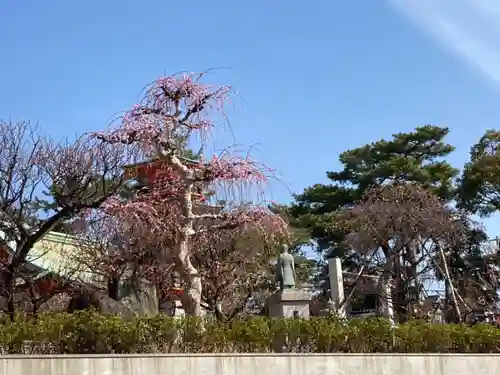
285,249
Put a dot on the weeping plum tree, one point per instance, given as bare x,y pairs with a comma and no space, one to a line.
173,110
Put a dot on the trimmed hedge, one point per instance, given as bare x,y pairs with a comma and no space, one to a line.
89,332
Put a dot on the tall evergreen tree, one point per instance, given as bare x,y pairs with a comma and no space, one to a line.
479,184
416,156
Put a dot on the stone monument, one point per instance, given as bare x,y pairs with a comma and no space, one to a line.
287,301
337,304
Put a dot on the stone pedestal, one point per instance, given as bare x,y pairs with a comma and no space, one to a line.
289,303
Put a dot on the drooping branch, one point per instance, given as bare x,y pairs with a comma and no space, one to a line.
172,109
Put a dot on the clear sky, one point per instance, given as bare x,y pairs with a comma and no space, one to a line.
315,78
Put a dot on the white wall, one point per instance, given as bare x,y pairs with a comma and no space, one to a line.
246,364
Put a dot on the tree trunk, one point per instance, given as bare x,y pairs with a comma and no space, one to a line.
113,287
192,299
7,290
400,302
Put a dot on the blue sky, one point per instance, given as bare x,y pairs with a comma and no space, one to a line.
314,80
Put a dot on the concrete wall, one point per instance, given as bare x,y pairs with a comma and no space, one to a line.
307,364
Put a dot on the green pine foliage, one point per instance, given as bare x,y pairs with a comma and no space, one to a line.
479,184
415,156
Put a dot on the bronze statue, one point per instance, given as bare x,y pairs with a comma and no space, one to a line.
285,270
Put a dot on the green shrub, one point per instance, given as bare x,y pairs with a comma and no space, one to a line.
89,332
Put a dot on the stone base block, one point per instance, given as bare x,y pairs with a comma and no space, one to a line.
289,303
